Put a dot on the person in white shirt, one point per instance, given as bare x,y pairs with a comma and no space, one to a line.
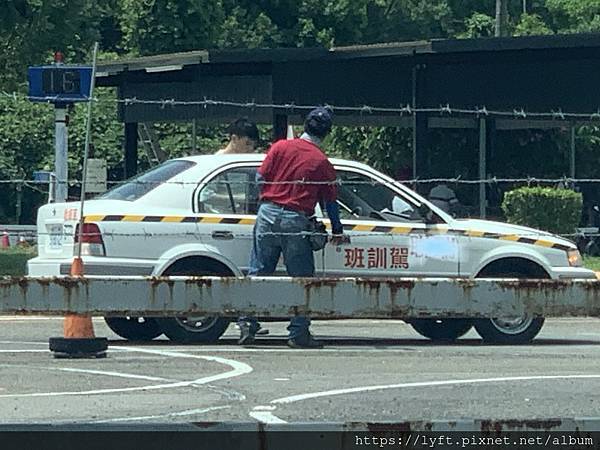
243,137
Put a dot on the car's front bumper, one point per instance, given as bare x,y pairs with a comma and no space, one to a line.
566,273
93,266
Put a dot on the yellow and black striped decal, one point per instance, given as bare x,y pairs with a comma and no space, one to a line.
171,219
402,230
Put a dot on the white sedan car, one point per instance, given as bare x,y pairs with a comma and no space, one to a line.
194,216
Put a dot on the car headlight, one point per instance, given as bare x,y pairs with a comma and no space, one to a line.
574,258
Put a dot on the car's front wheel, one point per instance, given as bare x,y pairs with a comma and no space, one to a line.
511,330
134,328
445,330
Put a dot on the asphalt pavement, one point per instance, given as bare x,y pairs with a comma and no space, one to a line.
370,370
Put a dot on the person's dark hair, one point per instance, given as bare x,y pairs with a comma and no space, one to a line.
243,128
318,122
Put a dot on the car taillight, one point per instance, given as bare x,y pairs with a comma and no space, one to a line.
91,240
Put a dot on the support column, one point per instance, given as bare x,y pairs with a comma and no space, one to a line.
572,153
61,143
131,149
419,137
482,166
194,136
420,156
280,124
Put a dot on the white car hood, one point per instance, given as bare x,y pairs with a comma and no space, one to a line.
488,226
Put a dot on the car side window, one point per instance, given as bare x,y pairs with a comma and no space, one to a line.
362,197
233,191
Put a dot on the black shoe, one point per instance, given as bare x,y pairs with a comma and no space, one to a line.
309,342
246,336
262,332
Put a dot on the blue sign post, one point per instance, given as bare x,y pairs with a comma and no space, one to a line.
61,85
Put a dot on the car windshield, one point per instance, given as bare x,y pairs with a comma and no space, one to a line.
140,185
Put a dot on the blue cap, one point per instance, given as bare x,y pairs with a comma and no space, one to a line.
319,121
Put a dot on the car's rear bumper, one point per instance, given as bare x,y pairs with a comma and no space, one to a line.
93,266
564,273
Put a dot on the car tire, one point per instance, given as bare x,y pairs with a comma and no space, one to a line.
134,328
194,330
442,330
198,330
509,331
519,331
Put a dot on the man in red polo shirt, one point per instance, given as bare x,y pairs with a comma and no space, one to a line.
296,176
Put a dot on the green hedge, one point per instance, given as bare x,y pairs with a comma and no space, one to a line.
549,209
13,261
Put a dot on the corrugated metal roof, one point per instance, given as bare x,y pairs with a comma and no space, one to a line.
176,61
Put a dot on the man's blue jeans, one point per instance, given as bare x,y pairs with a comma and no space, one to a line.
281,231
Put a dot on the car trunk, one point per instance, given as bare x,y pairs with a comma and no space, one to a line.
56,225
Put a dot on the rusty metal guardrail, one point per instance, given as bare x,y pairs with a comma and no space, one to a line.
332,298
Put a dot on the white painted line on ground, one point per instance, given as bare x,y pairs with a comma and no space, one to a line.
238,369
266,417
261,415
45,344
300,397
264,408
189,412
111,374
281,379
92,372
24,351
27,319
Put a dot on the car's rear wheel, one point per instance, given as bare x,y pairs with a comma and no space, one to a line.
188,329
511,330
134,328
445,330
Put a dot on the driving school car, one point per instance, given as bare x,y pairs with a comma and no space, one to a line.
194,216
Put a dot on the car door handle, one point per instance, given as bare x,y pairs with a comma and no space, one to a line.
223,235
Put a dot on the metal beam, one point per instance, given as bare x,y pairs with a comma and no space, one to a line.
329,298
452,122
526,124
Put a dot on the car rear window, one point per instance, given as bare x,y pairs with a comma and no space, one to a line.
140,185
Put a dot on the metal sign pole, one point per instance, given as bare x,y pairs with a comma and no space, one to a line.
61,170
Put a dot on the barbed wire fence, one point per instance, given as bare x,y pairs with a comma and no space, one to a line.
447,110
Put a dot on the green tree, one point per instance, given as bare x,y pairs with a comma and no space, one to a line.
31,30
166,26
575,16
532,25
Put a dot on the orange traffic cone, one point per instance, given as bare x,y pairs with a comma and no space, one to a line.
79,339
5,242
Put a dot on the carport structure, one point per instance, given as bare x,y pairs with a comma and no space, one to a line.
550,74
